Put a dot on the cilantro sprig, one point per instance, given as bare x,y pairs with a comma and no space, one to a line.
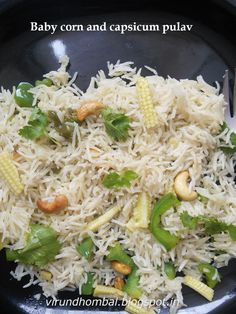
36,127
115,180
41,247
117,124
212,225
227,149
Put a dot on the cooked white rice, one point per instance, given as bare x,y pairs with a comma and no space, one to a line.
190,113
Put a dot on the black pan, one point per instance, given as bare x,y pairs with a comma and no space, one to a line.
208,49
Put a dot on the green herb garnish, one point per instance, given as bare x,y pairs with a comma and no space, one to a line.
188,221
212,225
227,149
36,127
117,124
41,247
115,180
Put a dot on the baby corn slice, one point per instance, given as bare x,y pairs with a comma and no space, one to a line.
10,174
102,220
133,308
101,290
199,287
141,213
145,103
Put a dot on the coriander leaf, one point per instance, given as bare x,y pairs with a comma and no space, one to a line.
188,221
32,131
116,124
111,180
227,149
38,115
130,175
212,225
114,179
232,232
36,127
41,247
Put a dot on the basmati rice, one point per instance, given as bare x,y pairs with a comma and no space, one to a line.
190,114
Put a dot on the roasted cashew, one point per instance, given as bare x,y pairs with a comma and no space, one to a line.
46,275
121,268
16,156
119,283
87,109
59,203
181,187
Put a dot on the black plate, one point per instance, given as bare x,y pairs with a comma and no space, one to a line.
208,49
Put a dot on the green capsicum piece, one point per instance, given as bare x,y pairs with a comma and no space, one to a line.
53,117
203,199
169,269
87,287
85,248
116,253
210,273
131,286
45,81
63,129
167,239
22,96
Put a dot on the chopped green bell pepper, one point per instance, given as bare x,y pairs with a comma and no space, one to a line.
22,96
210,273
45,81
85,248
116,253
169,269
167,239
87,287
63,129
131,286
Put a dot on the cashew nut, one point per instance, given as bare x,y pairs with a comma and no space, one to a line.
181,187
59,203
87,109
16,155
45,275
119,283
121,268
